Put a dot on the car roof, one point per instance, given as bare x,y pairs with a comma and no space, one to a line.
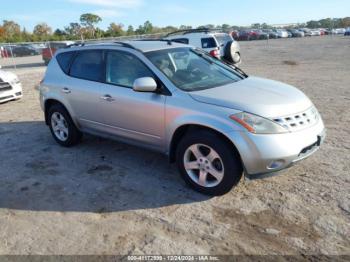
143,46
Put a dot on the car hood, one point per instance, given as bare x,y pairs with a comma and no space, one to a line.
255,95
7,76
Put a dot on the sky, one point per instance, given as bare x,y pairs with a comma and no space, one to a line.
59,13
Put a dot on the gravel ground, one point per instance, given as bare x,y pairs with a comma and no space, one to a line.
104,197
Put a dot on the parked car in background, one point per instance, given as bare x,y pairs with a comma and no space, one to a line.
10,86
211,119
247,35
21,50
347,32
322,31
340,31
261,35
296,33
235,34
281,33
307,32
271,33
315,32
216,43
37,47
51,48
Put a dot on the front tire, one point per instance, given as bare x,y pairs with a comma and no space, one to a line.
62,126
208,163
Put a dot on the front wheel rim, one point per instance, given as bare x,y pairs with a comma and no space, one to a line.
59,126
203,165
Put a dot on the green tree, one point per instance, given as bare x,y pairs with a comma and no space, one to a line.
115,30
313,24
88,21
60,34
42,31
27,37
146,28
130,30
12,30
345,22
225,27
74,30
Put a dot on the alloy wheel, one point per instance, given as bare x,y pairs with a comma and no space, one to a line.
203,165
59,126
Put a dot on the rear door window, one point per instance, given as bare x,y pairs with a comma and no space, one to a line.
88,65
208,42
64,60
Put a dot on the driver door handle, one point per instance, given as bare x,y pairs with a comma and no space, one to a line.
66,90
107,98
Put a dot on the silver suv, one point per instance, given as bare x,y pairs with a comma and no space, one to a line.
211,118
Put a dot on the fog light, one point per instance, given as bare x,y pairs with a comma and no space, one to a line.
276,164
18,93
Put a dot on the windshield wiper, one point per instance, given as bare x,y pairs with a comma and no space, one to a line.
237,69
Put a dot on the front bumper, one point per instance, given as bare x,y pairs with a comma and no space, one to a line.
266,154
14,93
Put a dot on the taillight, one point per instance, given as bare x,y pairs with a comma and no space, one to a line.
215,53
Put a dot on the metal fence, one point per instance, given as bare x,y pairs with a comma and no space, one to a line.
37,54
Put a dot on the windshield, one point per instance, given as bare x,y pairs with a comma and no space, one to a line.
192,69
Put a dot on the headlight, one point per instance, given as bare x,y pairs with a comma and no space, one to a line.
258,125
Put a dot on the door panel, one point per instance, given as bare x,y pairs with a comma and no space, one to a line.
83,89
130,114
135,115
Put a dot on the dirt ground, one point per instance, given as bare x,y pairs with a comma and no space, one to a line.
104,197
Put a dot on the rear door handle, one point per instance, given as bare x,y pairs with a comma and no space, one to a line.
107,98
66,90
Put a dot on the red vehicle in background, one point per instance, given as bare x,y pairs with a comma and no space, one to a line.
247,35
322,31
51,48
235,35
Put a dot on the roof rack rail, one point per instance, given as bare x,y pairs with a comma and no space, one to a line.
160,39
75,44
123,44
197,30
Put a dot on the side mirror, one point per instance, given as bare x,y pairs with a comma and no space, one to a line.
145,84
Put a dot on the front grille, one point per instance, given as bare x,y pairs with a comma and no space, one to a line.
299,121
4,86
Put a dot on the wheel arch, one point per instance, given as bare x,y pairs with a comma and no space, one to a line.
181,131
49,103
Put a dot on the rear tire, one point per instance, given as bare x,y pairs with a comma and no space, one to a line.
62,126
215,160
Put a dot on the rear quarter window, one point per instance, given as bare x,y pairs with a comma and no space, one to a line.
208,42
64,60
